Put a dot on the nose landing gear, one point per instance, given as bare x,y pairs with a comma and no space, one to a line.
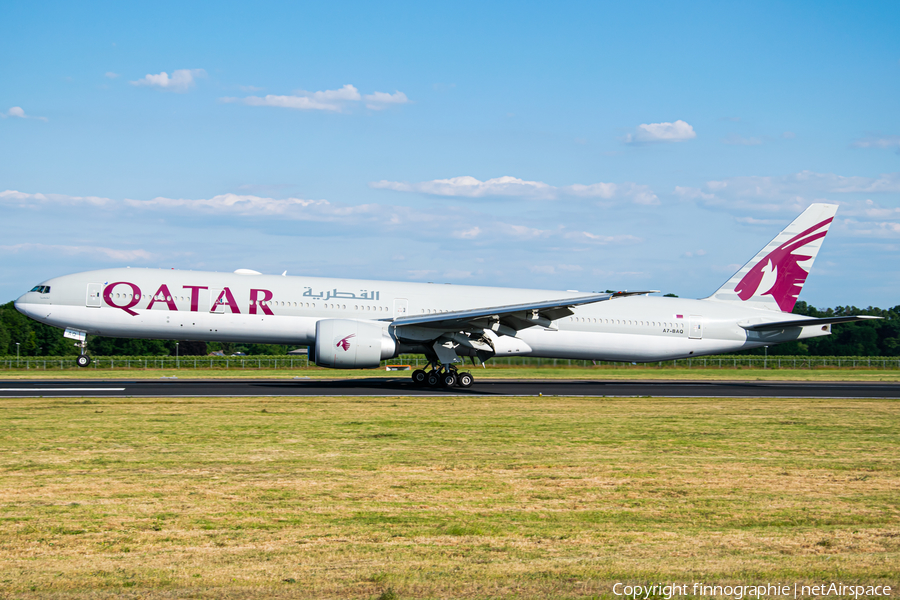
83,359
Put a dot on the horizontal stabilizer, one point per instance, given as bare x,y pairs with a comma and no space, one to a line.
804,323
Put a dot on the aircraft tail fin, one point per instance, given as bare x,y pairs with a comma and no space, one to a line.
774,277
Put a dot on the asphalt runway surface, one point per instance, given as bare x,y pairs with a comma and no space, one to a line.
404,387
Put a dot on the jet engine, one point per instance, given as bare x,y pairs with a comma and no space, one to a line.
347,344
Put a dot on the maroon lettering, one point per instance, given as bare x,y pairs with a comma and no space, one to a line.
255,301
195,295
135,296
226,298
166,297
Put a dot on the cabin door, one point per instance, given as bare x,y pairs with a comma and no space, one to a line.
401,307
696,330
94,290
215,304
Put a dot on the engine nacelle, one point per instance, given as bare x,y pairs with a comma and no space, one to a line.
347,344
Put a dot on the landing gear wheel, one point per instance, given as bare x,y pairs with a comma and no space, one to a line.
83,360
465,380
449,379
434,379
420,377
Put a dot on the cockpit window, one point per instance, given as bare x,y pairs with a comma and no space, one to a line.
41,289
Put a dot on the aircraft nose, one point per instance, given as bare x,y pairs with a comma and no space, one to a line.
21,305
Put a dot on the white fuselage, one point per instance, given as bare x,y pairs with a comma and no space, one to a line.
253,308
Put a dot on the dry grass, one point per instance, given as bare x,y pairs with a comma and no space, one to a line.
441,497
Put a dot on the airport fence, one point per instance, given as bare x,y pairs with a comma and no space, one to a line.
413,361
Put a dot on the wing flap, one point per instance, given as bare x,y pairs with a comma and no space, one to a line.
516,316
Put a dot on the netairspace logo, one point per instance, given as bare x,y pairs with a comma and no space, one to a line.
739,592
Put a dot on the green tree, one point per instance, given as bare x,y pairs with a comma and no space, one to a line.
4,340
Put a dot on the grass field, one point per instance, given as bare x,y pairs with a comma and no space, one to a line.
527,372
461,497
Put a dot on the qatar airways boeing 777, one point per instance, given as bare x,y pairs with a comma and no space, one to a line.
355,324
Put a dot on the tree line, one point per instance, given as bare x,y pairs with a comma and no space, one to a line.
37,339
866,338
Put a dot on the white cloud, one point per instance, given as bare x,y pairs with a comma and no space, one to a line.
736,140
594,190
115,254
870,229
380,100
639,194
295,102
604,273
420,223
180,81
678,131
552,269
237,203
328,100
787,193
111,75
769,201
875,211
470,187
19,113
420,273
468,234
520,231
884,142
30,200
347,92
754,221
586,236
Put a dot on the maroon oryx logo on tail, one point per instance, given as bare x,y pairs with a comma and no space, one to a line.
344,343
780,273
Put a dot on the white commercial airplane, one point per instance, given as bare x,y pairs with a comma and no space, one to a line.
354,324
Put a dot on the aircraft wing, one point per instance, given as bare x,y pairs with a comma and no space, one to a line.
510,318
804,323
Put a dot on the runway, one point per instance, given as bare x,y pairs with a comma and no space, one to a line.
403,387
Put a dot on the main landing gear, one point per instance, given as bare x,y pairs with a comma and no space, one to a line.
446,376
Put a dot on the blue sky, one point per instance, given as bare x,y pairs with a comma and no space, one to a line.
587,146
